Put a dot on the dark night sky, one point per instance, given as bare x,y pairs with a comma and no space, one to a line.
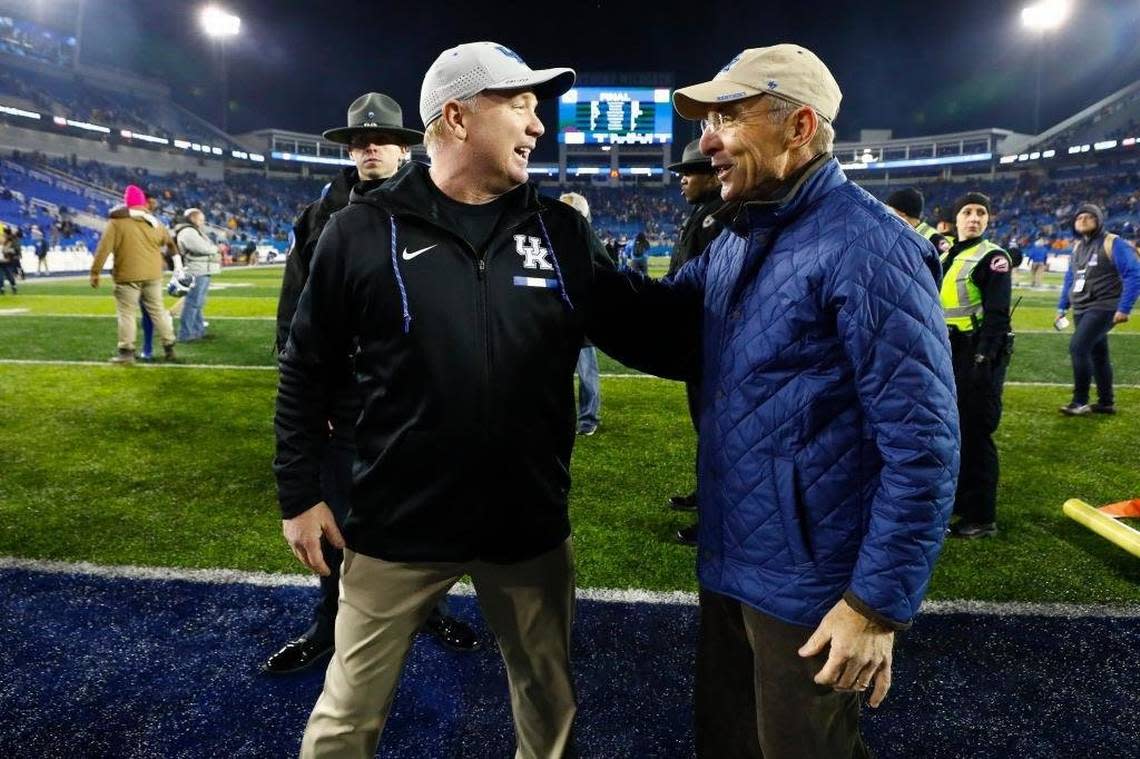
914,67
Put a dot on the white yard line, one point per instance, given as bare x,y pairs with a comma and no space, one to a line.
158,364
26,312
608,595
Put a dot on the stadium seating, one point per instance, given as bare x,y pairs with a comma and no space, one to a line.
1027,206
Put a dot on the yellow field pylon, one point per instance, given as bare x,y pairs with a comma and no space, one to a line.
1105,525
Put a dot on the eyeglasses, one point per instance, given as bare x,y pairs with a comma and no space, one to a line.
717,122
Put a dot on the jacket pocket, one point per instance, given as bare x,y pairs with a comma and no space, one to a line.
791,511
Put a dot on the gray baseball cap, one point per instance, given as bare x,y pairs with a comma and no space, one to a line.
468,69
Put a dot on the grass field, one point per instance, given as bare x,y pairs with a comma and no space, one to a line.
170,466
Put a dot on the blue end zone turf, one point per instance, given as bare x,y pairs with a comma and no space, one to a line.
95,666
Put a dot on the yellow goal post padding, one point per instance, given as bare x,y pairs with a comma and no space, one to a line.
1104,525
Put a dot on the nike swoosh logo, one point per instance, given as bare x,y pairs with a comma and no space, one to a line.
409,256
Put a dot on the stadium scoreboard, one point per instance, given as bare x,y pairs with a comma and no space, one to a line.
615,116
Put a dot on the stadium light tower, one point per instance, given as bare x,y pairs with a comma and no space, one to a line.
220,26
1043,17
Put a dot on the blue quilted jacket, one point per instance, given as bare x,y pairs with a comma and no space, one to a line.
829,432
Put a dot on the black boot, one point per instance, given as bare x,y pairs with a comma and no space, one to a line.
451,632
297,655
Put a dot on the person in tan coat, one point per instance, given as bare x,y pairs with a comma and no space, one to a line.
137,239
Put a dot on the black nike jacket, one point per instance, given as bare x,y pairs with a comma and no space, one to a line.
461,365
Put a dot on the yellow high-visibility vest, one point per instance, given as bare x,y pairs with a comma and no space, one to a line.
961,298
926,230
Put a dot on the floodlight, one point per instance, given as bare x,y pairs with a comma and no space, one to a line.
219,23
1045,15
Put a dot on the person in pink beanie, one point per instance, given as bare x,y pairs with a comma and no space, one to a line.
136,239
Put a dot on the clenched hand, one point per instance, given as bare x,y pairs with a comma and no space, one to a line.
303,534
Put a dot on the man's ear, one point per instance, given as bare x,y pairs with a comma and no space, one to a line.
454,119
804,125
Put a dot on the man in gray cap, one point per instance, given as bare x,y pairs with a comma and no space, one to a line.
701,189
462,296
378,145
829,433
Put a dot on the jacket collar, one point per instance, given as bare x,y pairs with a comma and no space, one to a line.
712,196
819,177
122,212
410,192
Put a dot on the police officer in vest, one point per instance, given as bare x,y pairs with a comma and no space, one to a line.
701,189
976,287
907,204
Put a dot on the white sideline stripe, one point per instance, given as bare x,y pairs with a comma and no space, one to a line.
257,368
605,595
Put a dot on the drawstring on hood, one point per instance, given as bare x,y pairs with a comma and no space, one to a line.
554,260
400,279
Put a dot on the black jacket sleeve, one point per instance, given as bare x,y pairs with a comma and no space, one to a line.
993,276
649,325
316,375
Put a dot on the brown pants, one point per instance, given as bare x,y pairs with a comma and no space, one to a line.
755,696
128,295
529,607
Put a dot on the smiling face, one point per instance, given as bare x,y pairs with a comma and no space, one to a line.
376,155
972,220
500,134
749,149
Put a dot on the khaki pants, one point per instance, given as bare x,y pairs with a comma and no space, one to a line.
127,298
529,607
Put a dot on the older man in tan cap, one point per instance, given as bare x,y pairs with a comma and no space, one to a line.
829,433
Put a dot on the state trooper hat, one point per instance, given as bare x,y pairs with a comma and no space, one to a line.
692,161
375,112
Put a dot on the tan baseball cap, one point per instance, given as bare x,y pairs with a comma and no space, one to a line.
790,72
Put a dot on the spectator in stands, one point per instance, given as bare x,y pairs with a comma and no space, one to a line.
829,438
9,258
589,388
1102,284
908,204
497,508
976,289
701,189
137,240
201,259
378,144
